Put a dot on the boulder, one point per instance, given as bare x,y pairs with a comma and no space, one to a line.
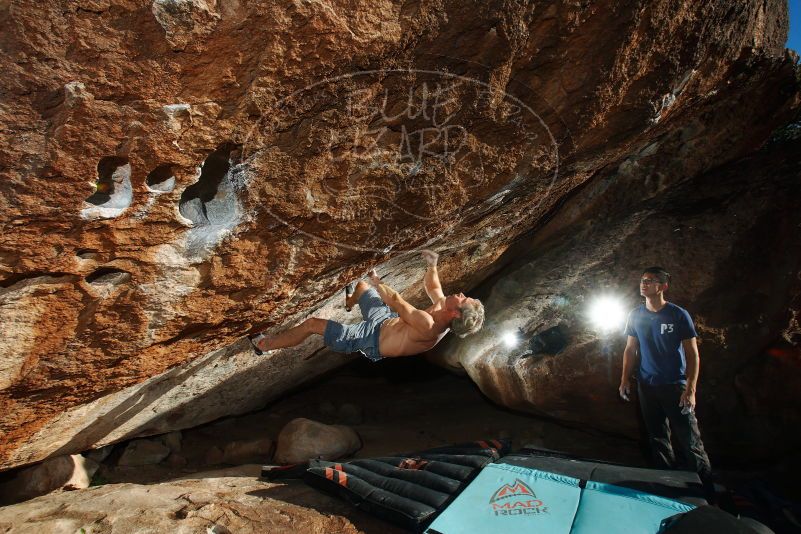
175,460
213,456
172,441
67,472
144,452
245,452
303,439
98,455
267,208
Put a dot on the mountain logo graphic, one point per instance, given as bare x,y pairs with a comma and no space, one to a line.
518,489
516,499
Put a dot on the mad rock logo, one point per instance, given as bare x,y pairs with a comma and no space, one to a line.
516,499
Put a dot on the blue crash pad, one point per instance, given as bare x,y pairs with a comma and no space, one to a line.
510,498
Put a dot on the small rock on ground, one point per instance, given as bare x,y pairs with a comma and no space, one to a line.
303,439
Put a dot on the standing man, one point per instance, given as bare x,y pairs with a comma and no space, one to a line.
663,335
391,327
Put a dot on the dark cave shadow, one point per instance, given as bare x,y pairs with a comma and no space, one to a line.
399,370
393,370
149,392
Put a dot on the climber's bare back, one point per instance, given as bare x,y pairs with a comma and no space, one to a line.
398,338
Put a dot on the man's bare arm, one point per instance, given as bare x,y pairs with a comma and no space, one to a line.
693,362
431,279
629,361
417,319
693,366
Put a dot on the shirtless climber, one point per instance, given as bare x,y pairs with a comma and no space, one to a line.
391,326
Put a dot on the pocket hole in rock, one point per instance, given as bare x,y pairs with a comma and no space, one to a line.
86,253
108,276
212,200
113,192
161,179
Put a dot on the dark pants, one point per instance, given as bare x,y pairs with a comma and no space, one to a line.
660,406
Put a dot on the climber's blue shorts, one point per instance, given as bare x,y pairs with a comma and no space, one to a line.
360,337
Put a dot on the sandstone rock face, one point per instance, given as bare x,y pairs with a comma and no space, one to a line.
246,452
98,455
730,240
233,503
173,441
213,456
144,452
69,472
185,20
303,439
178,173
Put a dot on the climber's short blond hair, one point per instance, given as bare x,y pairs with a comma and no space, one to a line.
471,319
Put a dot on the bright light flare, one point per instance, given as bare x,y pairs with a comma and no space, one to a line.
510,338
606,314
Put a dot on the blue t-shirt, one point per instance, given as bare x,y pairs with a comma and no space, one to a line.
660,335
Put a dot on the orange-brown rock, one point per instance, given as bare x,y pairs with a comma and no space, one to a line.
178,173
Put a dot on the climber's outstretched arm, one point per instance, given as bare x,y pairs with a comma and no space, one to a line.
417,319
431,279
